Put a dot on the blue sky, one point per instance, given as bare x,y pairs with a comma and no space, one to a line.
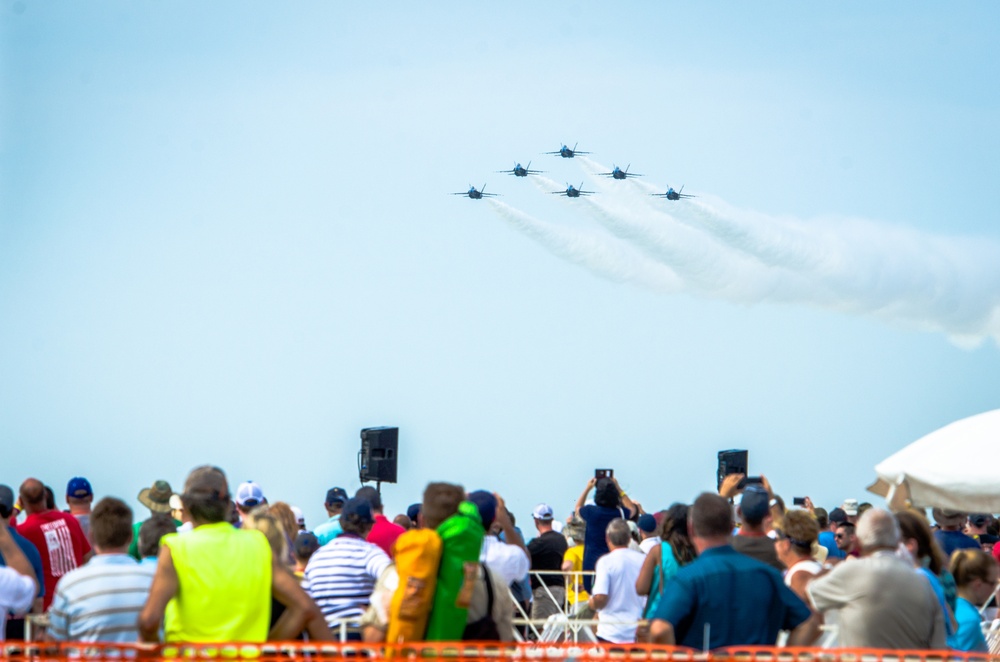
226,236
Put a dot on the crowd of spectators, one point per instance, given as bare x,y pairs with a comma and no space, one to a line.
736,567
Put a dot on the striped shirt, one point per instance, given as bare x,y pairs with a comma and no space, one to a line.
101,601
341,576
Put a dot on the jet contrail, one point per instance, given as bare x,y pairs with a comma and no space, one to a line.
899,275
603,256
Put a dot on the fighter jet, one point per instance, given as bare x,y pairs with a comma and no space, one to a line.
618,173
568,153
572,191
521,171
477,194
671,194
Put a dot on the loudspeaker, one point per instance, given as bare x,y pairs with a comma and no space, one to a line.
733,461
379,447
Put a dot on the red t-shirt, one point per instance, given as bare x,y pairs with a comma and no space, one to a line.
384,533
60,542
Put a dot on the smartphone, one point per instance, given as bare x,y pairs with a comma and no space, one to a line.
603,473
798,501
751,480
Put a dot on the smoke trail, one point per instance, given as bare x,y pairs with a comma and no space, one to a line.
607,258
899,275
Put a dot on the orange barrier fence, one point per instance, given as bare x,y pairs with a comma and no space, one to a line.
465,651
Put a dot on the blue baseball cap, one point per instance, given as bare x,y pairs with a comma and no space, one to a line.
79,488
360,507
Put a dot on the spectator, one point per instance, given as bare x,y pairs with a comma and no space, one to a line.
507,559
613,595
901,611
847,540
917,538
300,519
647,530
383,532
977,524
57,536
754,512
330,529
663,561
289,527
17,579
340,576
249,495
577,597
15,625
796,538
950,536
975,574
150,533
102,600
723,593
218,567
306,544
403,521
157,499
547,550
610,502
850,508
828,533
79,496
413,512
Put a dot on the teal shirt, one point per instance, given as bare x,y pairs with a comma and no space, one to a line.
328,530
969,636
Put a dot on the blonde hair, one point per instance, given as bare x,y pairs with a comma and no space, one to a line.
971,564
284,513
259,519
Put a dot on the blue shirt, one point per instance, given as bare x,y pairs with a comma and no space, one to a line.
969,636
743,601
328,530
34,558
826,539
952,540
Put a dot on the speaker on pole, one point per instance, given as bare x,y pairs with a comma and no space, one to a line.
377,460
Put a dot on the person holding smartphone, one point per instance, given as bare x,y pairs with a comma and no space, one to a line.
610,502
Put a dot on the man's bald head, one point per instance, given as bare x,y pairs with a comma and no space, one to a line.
32,494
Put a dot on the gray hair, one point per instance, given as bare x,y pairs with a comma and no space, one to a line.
618,532
877,529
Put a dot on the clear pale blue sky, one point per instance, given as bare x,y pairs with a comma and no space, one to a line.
226,236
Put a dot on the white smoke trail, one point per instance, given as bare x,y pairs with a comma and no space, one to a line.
603,256
944,284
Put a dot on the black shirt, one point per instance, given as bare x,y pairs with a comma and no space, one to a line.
547,552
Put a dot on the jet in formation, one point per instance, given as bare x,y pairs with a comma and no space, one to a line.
477,194
521,171
572,191
567,153
618,173
671,194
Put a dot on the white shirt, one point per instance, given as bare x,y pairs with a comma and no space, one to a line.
509,561
616,573
16,594
649,543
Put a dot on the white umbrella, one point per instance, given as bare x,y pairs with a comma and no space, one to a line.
951,467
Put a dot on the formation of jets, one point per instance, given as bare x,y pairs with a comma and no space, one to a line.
571,191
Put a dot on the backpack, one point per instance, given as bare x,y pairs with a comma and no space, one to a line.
485,629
